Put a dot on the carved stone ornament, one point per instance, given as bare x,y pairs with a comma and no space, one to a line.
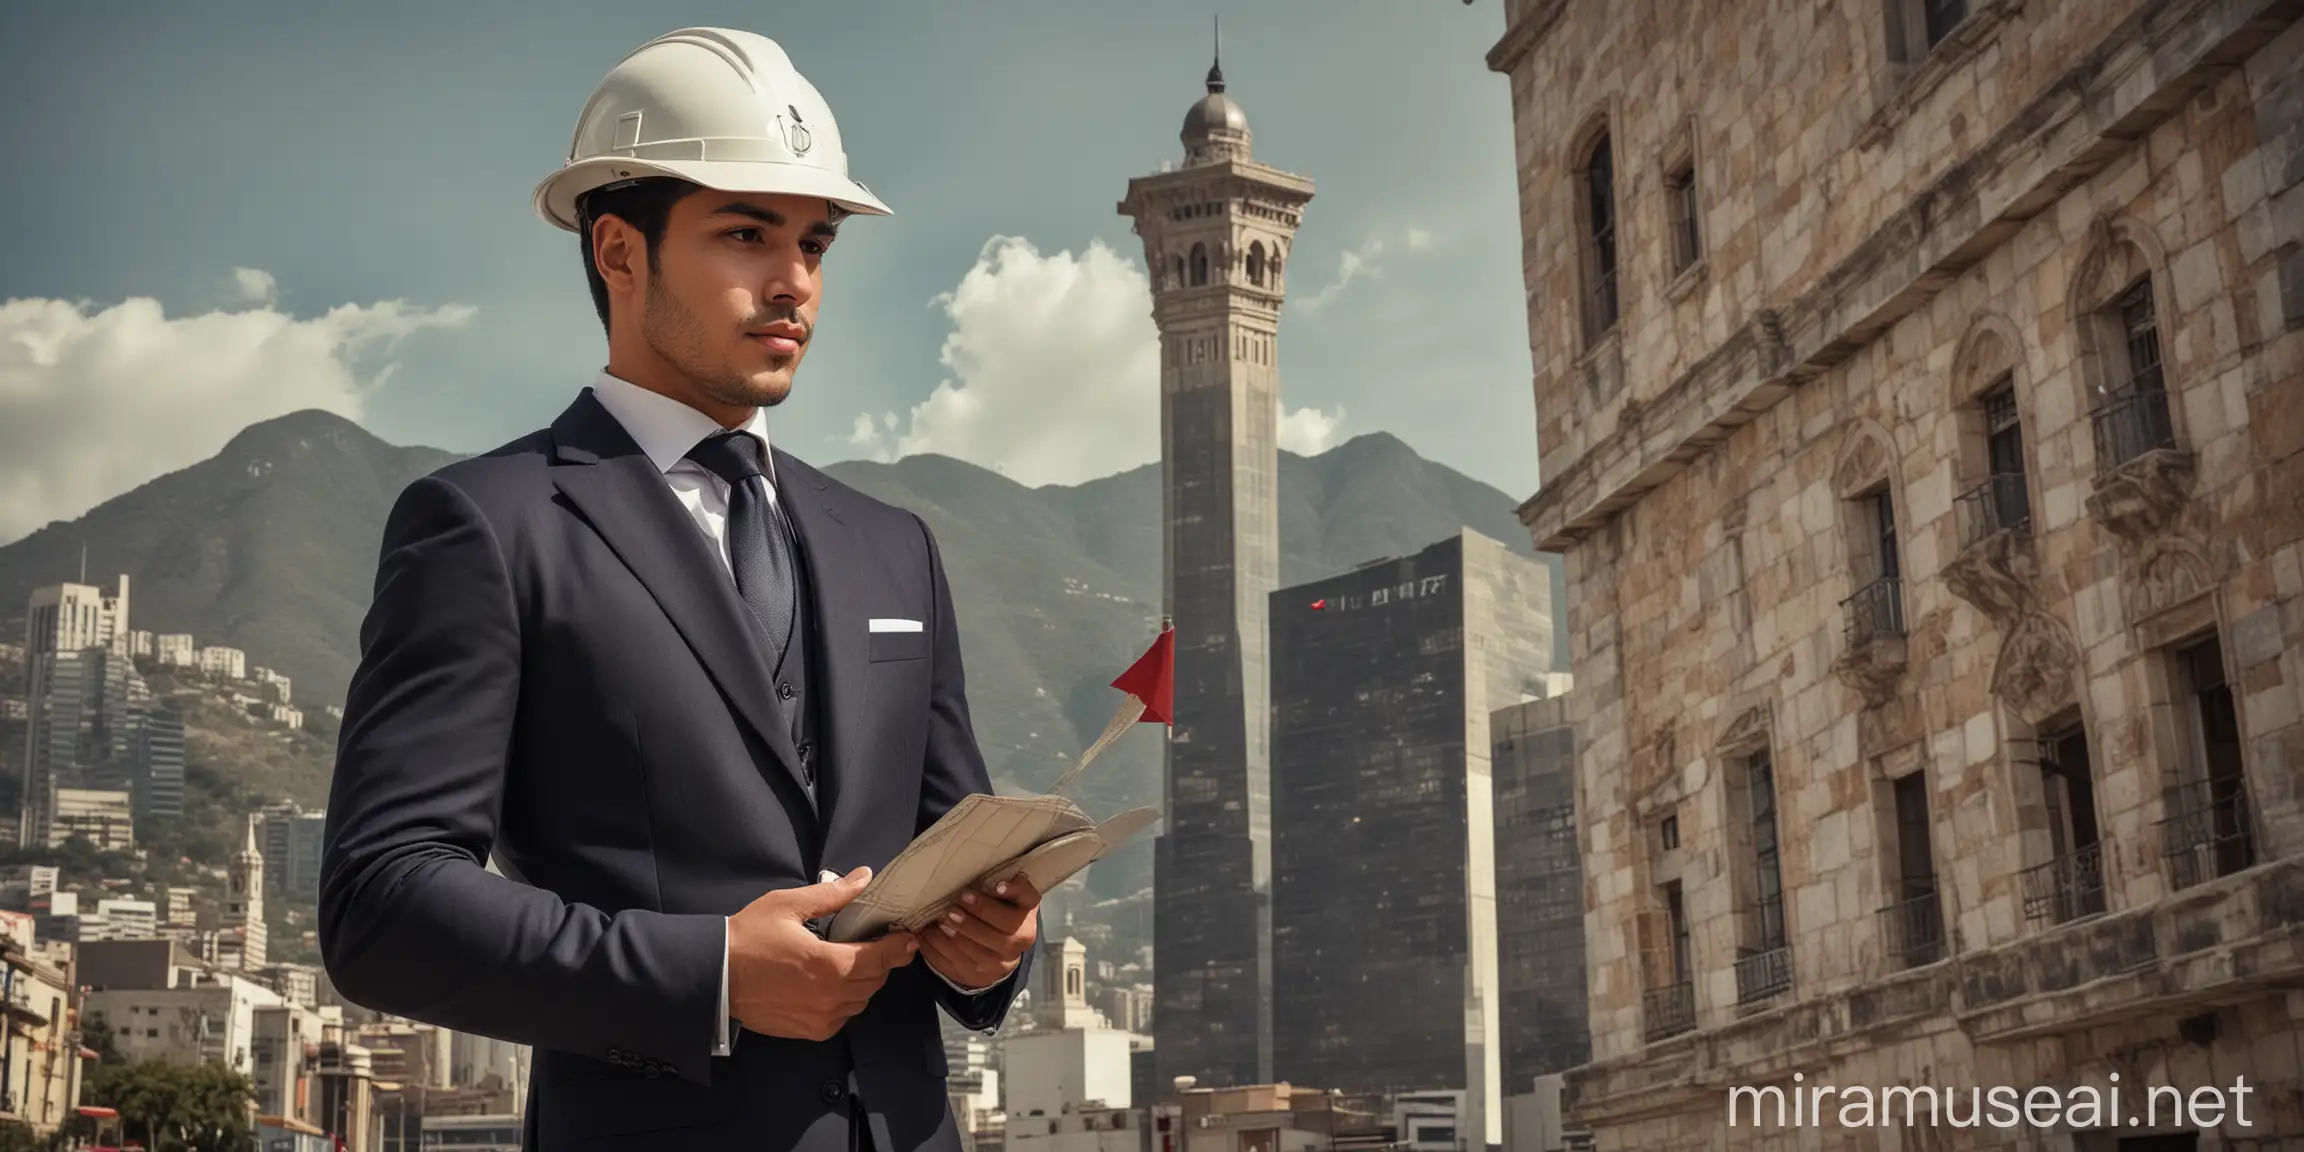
2172,571
1748,732
1999,574
2144,497
1873,669
1863,464
2034,673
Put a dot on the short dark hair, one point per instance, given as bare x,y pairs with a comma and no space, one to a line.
645,204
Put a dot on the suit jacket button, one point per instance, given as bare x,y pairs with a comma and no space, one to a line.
832,1091
786,690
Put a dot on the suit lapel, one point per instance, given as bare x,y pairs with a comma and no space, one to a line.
834,556
613,483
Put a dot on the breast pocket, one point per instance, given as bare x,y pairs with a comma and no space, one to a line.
897,646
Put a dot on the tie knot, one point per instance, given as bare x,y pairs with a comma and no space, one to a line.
732,456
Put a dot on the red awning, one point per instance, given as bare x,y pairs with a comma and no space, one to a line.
97,1110
89,1054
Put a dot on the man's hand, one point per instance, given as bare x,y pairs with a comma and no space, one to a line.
978,943
785,981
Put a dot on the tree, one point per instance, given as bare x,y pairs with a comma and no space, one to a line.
178,1108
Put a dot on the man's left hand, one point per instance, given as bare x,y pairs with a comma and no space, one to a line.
980,941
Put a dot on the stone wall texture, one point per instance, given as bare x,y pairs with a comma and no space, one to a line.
1890,231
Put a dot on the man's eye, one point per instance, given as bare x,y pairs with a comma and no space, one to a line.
815,247
745,235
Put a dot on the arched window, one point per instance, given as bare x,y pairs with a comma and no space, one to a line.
1600,237
1256,263
1179,281
1072,982
1199,265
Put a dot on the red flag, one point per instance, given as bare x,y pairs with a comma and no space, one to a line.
1152,678
1320,604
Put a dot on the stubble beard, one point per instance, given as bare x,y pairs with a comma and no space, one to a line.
680,339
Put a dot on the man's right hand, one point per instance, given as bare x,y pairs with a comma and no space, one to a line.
785,981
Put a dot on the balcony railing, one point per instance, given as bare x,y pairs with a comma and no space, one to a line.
2067,887
1912,929
1762,973
2211,837
1999,504
2130,424
1668,1011
1876,612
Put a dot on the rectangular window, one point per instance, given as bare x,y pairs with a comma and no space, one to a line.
1942,17
1676,913
2210,829
1600,187
2010,500
1764,965
2141,330
1912,925
1884,522
1680,198
2070,883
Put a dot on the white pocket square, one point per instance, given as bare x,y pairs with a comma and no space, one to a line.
880,624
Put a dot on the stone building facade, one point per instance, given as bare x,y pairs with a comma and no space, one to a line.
1919,411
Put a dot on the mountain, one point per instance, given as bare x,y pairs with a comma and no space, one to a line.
268,546
271,547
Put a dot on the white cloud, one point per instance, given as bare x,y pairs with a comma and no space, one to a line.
1364,262
1349,267
256,285
94,401
1309,431
1055,372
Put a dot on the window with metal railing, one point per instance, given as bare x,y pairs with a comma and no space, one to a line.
1876,611
2210,829
2002,503
2070,883
1764,967
2134,418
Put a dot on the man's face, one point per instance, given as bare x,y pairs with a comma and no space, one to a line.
733,301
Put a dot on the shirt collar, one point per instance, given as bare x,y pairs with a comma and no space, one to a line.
666,429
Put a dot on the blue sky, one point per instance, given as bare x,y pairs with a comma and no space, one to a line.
225,211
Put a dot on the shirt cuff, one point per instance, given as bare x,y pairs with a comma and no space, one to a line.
720,1033
966,991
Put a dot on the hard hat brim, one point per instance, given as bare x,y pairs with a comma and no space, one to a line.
555,197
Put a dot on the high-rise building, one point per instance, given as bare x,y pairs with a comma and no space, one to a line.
1539,894
1919,412
1384,860
290,839
71,617
93,723
1217,232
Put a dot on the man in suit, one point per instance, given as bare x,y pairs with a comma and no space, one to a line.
672,682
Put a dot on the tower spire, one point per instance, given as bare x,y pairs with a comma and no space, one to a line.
1216,68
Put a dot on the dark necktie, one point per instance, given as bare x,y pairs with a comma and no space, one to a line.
758,549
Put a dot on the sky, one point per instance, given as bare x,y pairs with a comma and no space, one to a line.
226,211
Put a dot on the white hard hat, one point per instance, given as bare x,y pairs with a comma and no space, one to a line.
712,106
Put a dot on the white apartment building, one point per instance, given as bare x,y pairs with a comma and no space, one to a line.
226,662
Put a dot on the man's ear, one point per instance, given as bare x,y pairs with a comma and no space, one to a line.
614,246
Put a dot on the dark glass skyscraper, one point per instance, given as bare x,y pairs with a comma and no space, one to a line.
1384,856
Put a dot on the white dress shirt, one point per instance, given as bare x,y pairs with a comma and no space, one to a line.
666,430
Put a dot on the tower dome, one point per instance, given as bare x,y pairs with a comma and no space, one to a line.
1216,127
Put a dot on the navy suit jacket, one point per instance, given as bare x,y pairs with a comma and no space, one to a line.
557,672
